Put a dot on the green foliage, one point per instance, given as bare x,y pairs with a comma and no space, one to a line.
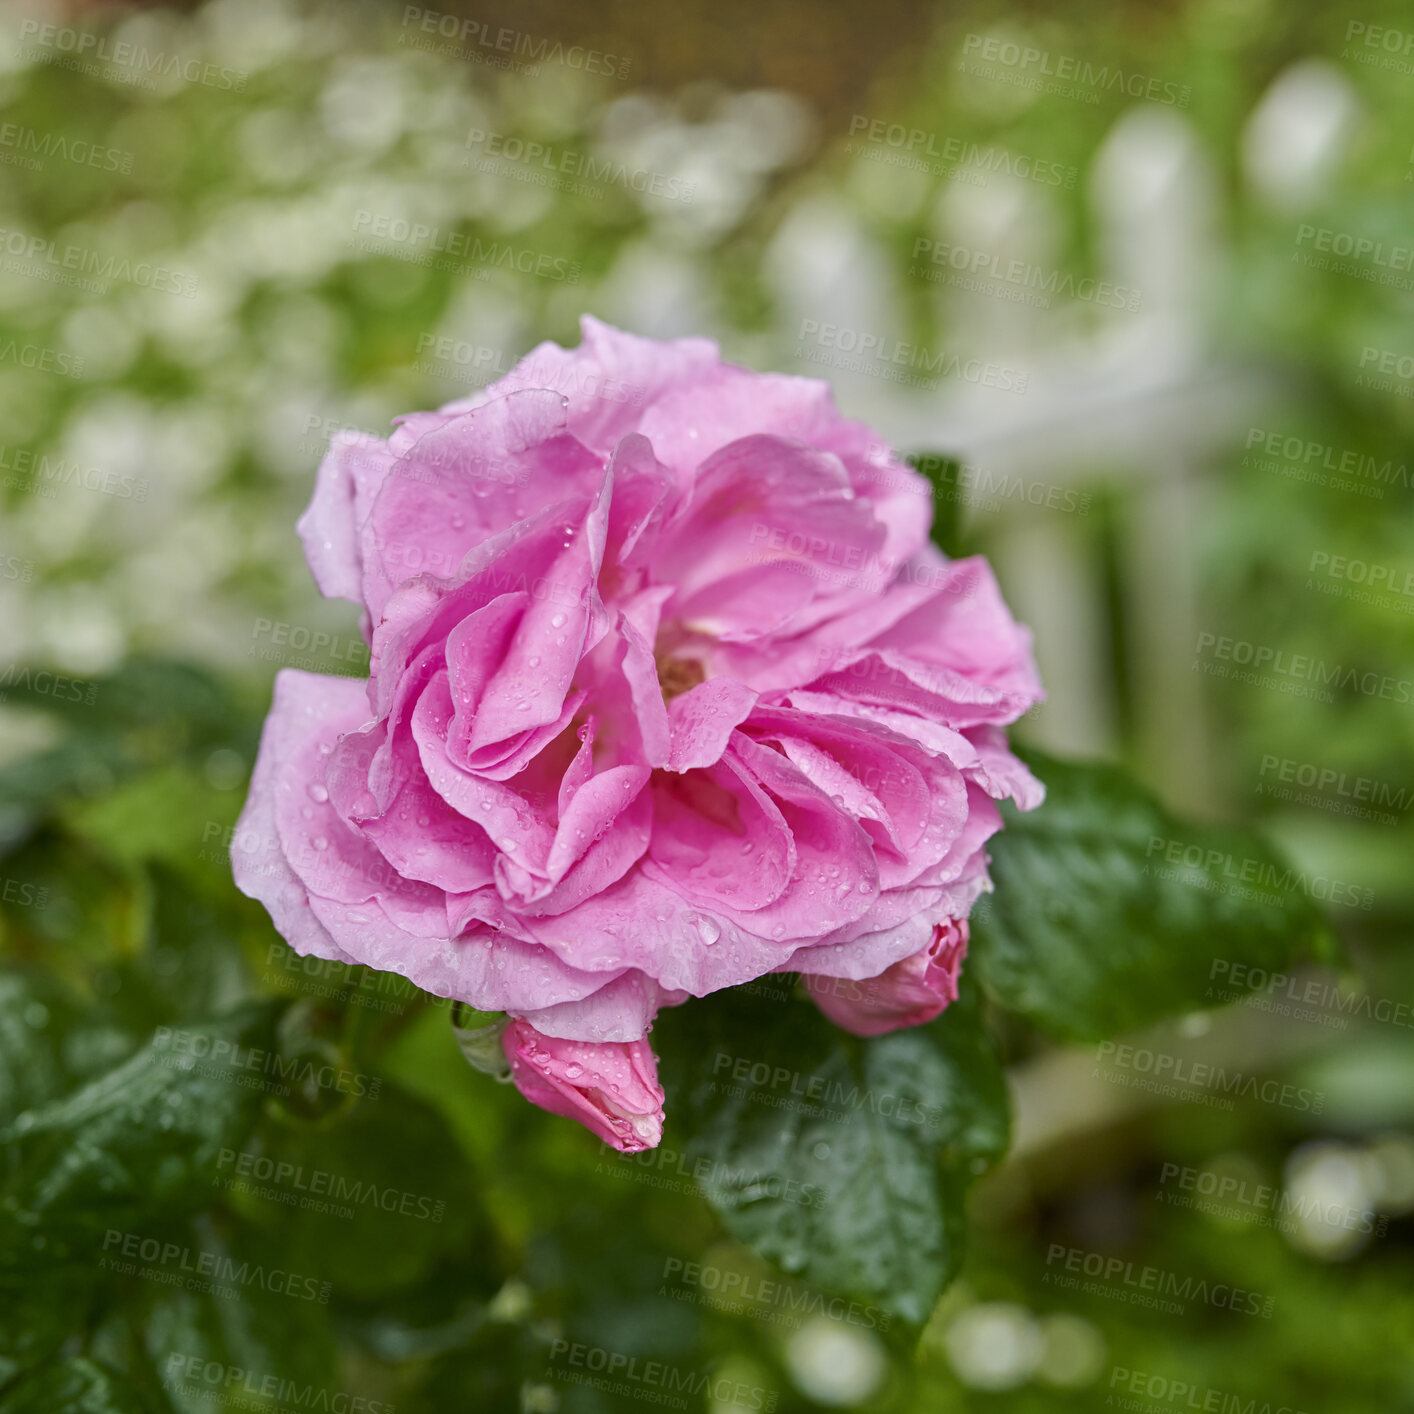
135,1141
942,473
367,1190
148,712
1110,912
77,1386
845,1161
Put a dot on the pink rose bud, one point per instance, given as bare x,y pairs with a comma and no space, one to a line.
909,993
610,1087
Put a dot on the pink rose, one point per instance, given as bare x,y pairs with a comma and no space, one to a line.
669,689
909,993
611,1088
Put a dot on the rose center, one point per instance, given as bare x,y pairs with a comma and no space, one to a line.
677,675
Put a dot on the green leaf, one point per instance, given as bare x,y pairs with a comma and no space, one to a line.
277,1346
140,1140
142,694
193,963
76,1386
39,1312
1109,912
146,713
844,1161
166,813
942,473
372,1202
65,904
36,1016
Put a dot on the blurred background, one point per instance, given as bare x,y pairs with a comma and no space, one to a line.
1136,278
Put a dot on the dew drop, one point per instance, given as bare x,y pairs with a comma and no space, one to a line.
708,929
318,794
320,842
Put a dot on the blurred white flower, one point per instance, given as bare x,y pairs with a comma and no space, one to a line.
995,1345
834,1363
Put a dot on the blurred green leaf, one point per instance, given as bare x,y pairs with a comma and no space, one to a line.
144,694
75,1386
65,903
160,814
139,1141
192,963
941,471
36,1017
262,1347
39,1312
1110,912
844,1161
147,712
372,1201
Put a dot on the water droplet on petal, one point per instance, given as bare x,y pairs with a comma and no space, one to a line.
318,794
320,842
709,930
